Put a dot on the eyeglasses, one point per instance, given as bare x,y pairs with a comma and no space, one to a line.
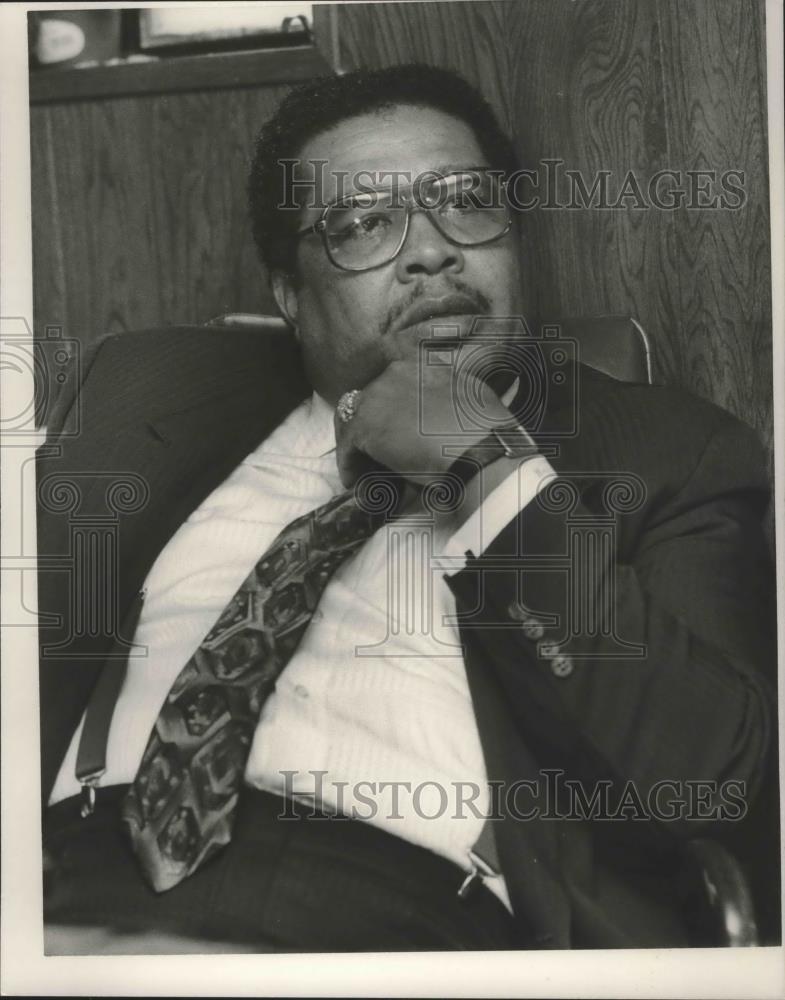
469,208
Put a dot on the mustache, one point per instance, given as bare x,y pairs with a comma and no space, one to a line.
456,286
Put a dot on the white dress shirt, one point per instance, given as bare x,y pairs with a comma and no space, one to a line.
375,693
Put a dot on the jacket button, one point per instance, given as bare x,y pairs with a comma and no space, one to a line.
533,630
517,613
531,626
561,665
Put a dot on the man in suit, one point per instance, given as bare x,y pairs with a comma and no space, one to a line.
532,681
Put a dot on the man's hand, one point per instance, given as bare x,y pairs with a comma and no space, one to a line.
406,416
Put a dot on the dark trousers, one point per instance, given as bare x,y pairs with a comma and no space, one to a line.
311,883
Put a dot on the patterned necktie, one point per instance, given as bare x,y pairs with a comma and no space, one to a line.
180,807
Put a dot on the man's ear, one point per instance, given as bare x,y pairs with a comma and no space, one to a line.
285,298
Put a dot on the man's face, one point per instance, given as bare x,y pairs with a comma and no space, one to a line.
352,324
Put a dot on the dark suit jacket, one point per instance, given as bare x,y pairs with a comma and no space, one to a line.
172,412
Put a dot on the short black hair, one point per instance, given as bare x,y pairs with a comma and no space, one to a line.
320,104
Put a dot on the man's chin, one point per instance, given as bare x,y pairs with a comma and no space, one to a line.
456,341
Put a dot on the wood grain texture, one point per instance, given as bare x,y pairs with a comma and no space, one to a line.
715,90
139,209
625,87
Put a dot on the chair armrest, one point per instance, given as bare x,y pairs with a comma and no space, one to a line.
719,901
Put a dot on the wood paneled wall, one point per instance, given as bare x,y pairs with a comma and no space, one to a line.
642,86
139,210
139,207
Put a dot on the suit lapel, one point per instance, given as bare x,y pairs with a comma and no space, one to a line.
528,851
193,422
536,855
164,422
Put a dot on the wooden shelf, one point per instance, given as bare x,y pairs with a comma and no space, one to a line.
210,71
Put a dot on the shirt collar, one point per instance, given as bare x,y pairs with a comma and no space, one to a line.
317,438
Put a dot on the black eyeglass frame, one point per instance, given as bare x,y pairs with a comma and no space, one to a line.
411,206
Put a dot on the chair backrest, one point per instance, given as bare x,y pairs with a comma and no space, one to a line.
614,345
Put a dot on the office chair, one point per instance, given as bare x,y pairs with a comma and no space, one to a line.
716,896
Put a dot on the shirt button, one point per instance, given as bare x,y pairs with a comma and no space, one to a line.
301,691
561,665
